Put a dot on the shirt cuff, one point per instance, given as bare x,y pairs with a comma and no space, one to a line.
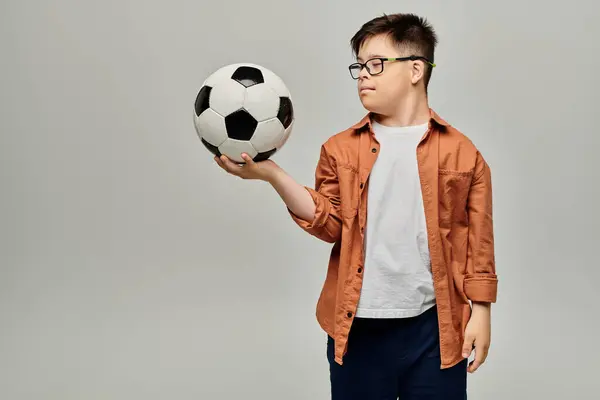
481,287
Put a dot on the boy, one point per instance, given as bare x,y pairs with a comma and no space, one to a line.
408,290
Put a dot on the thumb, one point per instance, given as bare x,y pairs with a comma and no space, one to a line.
468,345
248,159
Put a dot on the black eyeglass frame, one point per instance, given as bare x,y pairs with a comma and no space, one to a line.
383,59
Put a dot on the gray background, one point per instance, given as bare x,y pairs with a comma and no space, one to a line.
132,267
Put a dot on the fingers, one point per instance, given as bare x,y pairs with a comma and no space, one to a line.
240,170
228,165
481,353
219,162
476,363
231,165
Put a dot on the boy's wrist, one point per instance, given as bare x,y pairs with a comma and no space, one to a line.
481,306
274,176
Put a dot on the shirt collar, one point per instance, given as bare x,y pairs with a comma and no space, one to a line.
366,122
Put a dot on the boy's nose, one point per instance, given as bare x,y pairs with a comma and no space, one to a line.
363,73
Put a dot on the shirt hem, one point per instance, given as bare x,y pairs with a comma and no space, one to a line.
393,313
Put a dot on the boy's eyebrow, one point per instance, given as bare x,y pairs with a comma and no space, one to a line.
369,56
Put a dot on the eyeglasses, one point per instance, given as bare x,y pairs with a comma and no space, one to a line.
374,66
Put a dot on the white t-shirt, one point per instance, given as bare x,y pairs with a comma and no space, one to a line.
397,281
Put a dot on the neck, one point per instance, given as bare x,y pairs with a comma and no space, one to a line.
412,110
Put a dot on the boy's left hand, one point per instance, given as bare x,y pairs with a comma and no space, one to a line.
477,335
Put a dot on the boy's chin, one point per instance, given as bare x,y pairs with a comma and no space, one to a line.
371,106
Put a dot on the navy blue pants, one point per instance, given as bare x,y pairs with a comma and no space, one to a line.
389,359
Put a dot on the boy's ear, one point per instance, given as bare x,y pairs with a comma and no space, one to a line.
418,71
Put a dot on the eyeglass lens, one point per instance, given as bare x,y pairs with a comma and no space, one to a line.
374,67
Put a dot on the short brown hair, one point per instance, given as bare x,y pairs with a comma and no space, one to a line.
409,31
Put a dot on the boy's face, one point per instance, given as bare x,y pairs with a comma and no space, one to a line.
383,92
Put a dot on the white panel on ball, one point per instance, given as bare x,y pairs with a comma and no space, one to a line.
221,75
227,96
234,149
211,127
286,135
267,135
276,83
261,102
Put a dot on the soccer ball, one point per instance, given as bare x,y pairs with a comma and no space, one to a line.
243,108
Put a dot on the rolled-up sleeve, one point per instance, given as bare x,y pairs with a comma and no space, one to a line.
327,223
481,281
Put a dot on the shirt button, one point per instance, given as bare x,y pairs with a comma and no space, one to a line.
349,314
362,185
374,150
359,270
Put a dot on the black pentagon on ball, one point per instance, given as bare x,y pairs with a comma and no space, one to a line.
240,125
286,111
248,76
212,148
264,155
202,100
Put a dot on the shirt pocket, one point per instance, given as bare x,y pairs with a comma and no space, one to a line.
453,194
349,189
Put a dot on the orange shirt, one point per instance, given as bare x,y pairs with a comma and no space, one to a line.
457,197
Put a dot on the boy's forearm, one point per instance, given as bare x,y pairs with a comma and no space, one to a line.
294,195
481,282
